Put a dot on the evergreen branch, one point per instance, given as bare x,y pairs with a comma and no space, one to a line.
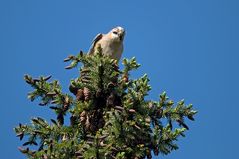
109,116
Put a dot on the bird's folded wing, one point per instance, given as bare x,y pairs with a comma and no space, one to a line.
92,47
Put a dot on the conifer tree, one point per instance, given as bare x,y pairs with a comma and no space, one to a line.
109,115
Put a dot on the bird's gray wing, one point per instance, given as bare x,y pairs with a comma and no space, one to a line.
96,39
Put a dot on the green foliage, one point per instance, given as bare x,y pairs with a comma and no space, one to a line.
109,115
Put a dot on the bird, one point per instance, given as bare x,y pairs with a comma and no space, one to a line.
111,43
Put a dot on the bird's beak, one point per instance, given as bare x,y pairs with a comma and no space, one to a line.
121,37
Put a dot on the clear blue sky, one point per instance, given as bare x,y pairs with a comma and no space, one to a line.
188,48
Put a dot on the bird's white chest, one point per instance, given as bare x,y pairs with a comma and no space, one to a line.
112,49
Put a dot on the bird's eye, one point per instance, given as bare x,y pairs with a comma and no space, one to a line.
115,32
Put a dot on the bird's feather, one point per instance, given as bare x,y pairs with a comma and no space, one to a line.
96,39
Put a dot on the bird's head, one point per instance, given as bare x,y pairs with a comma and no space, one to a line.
118,34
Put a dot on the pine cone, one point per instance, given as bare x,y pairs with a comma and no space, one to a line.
86,93
79,154
84,71
73,89
80,95
87,123
83,117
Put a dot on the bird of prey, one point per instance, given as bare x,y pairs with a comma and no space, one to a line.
111,43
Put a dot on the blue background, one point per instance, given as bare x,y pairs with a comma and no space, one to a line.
188,48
